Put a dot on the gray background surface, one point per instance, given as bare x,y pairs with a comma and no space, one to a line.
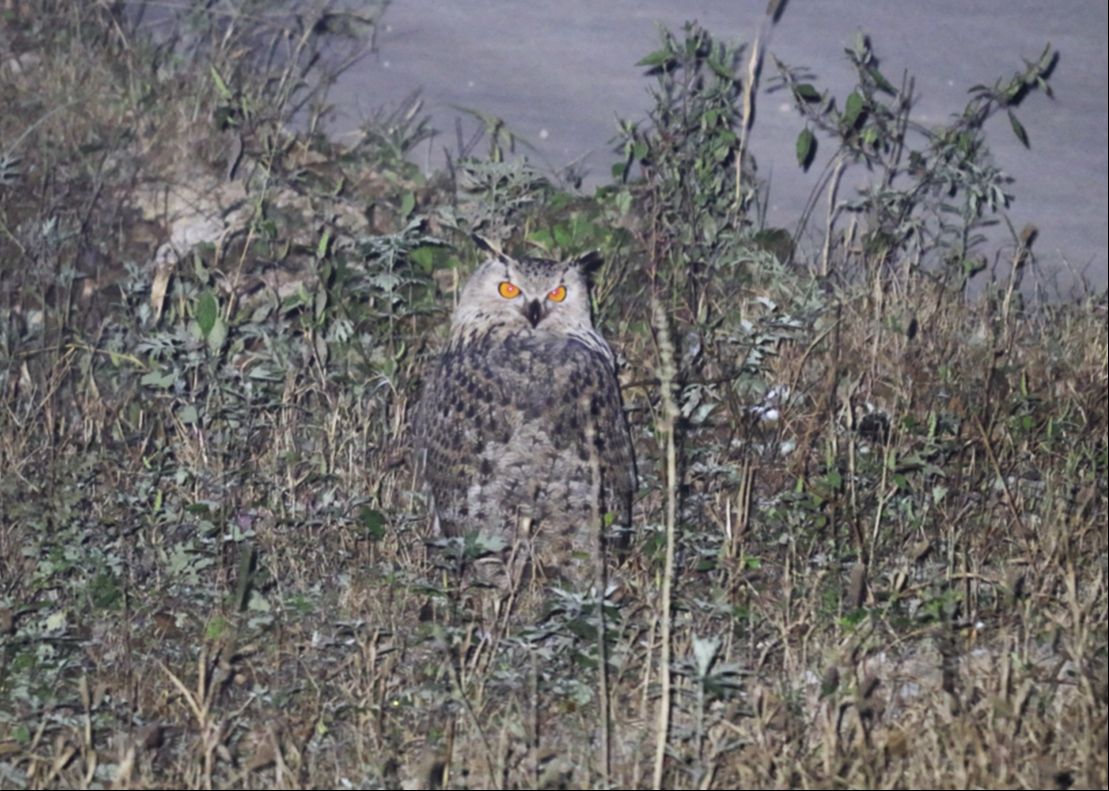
560,74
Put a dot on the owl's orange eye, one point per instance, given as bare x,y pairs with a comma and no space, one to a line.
558,294
508,290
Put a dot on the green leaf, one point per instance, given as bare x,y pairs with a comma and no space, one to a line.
880,80
221,86
720,69
852,110
199,270
104,591
542,237
407,204
806,92
158,379
1018,129
323,244
373,521
623,201
972,267
216,628
217,336
909,463
207,311
660,57
425,257
806,148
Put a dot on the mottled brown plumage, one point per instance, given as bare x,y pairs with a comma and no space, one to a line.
520,411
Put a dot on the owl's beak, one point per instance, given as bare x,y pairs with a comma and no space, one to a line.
534,311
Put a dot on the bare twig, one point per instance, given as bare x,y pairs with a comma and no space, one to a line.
669,420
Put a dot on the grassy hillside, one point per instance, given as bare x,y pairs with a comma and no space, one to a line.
871,527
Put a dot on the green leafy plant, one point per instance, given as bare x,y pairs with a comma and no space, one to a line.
933,188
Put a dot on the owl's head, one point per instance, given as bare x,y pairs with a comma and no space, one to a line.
522,293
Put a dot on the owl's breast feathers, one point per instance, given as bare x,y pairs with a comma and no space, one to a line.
509,412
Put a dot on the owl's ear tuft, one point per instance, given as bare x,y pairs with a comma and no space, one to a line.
491,246
588,262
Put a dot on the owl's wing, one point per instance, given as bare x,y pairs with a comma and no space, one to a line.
592,380
453,427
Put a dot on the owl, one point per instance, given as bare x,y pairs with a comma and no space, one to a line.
520,433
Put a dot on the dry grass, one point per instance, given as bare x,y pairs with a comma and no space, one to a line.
214,560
